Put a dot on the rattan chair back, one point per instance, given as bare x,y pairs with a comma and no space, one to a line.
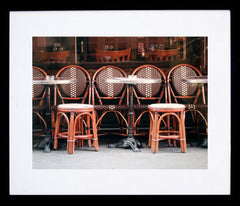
78,91
38,91
105,93
180,91
154,92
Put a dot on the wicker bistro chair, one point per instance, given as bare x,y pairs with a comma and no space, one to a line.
39,94
112,56
146,94
109,97
187,93
78,92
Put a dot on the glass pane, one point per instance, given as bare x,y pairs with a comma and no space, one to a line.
164,51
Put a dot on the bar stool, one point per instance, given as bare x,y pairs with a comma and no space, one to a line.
80,118
177,132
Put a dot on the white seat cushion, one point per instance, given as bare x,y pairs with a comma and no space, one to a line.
166,106
75,106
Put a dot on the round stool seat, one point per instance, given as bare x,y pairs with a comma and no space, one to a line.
74,107
167,107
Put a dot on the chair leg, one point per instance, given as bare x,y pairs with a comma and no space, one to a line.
88,130
71,134
154,144
181,138
150,133
168,128
183,142
53,123
79,130
55,145
79,142
94,127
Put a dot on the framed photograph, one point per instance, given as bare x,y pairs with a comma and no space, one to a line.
56,40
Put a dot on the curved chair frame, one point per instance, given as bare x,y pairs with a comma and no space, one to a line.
149,95
72,89
42,94
103,95
79,92
170,87
193,107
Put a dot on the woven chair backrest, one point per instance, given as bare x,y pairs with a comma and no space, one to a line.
77,89
151,72
178,87
104,89
37,89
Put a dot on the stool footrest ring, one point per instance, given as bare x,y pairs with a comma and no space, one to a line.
71,140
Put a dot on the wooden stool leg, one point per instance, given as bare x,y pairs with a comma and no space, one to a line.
79,130
153,137
53,123
157,138
88,130
94,127
55,145
150,133
71,139
154,134
157,129
168,128
153,145
184,142
181,135
175,129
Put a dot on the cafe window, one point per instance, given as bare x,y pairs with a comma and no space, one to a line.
142,48
83,50
53,49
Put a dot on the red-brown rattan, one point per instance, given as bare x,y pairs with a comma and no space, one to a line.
109,97
188,94
75,92
81,126
146,94
38,94
156,134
